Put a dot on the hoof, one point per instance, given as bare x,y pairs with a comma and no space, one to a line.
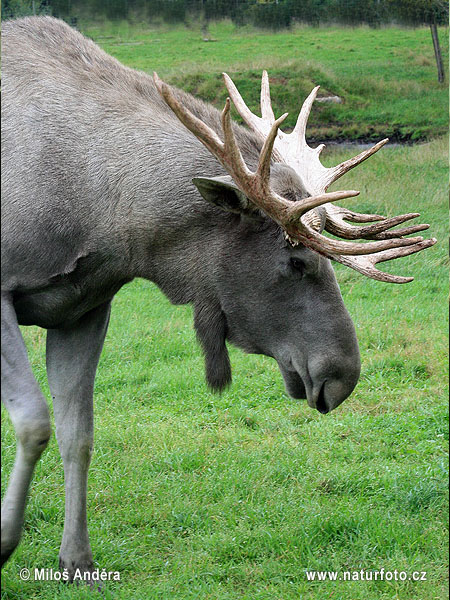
84,574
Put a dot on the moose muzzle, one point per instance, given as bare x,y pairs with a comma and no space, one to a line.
323,382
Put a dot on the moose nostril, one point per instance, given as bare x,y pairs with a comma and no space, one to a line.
321,404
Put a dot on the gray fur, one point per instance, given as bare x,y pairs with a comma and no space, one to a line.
97,183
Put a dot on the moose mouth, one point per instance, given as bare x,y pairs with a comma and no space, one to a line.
321,404
296,388
293,383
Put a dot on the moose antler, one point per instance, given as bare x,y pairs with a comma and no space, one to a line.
295,217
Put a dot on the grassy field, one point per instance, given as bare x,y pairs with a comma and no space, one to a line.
386,77
235,497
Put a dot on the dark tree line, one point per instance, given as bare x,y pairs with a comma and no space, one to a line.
274,14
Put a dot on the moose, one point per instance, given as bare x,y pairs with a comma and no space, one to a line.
109,174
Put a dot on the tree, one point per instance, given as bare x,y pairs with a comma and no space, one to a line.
24,8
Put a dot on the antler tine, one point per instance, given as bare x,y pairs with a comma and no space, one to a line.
329,246
266,104
386,235
231,147
302,120
254,122
298,209
344,167
350,215
266,152
205,134
366,264
336,225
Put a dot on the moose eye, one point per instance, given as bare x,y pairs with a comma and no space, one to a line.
298,265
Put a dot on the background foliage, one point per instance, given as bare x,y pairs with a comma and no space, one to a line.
263,13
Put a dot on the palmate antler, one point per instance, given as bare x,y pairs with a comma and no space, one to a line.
296,218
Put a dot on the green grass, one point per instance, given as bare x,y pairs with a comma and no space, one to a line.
198,496
386,77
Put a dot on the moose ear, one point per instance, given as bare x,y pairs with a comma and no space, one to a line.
223,192
211,326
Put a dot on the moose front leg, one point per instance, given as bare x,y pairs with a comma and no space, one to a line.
29,413
72,357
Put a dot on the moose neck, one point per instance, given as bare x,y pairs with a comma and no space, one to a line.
173,233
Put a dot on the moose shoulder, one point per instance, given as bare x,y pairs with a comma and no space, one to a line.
108,175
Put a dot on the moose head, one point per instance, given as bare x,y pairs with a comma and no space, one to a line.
295,314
